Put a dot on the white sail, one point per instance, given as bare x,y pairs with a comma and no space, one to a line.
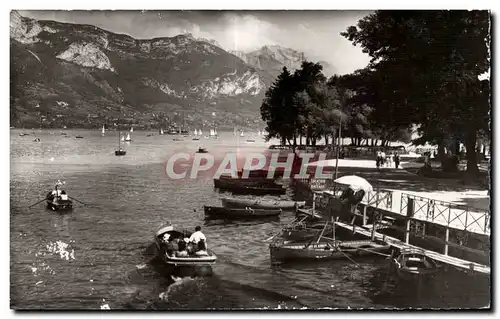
200,132
212,133
122,138
131,130
128,138
258,132
103,130
234,131
161,131
195,132
215,132
241,134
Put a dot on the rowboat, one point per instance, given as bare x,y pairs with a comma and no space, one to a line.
413,264
261,203
171,259
256,190
212,211
290,251
229,183
59,204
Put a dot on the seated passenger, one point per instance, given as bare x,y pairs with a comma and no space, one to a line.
64,196
172,246
191,248
202,249
182,250
197,236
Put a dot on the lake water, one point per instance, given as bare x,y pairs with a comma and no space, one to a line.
99,254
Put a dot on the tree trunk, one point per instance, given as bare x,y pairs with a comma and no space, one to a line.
470,145
442,155
326,139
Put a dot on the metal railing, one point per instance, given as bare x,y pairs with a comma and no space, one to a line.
445,213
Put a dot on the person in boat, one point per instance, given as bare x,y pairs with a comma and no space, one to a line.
172,246
197,236
64,196
181,252
202,249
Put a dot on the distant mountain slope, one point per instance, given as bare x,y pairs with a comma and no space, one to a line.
81,72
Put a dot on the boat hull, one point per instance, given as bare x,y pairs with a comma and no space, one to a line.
120,153
265,204
322,251
253,190
230,183
60,205
212,211
412,266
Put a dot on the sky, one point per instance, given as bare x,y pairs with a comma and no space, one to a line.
316,33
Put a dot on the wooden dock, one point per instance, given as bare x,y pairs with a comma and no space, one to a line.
456,262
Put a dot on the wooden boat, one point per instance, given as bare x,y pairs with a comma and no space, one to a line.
23,134
304,231
411,265
250,141
196,138
213,211
256,190
290,251
171,259
261,203
202,150
78,136
178,139
58,205
230,183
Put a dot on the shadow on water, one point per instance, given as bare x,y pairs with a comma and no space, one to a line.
201,290
386,289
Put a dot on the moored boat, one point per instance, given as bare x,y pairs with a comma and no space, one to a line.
229,183
202,150
261,203
325,250
256,190
213,211
170,258
411,264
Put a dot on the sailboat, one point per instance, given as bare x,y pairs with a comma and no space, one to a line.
258,132
241,134
103,130
131,130
120,151
161,131
128,139
122,138
234,131
195,132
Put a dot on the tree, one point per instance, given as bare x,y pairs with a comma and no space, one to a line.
428,63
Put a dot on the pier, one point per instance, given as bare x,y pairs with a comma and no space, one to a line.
452,234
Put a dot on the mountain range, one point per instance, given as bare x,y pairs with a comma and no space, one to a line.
81,75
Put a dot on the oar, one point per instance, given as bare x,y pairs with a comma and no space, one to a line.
77,200
37,203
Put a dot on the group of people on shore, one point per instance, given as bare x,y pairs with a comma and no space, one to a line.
383,160
196,245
